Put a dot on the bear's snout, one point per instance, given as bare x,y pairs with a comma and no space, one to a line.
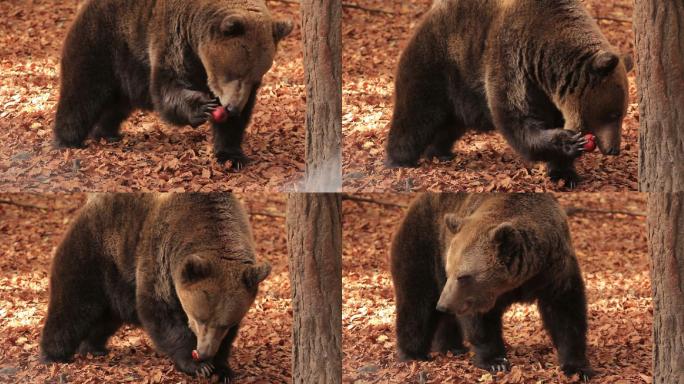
442,308
233,110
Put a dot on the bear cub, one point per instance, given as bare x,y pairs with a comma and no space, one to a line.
181,266
183,59
458,261
539,72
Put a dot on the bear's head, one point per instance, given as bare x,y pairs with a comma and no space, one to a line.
600,105
237,49
481,264
215,295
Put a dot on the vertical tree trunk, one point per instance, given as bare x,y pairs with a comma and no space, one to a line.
666,242
314,234
321,30
659,30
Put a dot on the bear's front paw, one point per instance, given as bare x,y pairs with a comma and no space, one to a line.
582,370
570,144
224,373
237,159
494,364
204,370
569,175
200,107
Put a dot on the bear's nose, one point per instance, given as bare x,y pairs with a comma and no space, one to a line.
233,110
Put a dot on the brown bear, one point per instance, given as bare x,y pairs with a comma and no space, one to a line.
539,72
458,261
181,266
182,59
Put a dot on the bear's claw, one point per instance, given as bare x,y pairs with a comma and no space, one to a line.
204,370
201,107
499,365
585,373
571,145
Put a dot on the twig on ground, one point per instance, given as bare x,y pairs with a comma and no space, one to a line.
372,201
616,19
22,205
345,5
268,214
575,210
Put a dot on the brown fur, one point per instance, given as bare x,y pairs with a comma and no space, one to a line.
458,261
181,266
179,58
537,71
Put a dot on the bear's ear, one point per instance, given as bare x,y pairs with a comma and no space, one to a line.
254,275
629,62
453,222
195,268
281,29
604,63
232,26
508,242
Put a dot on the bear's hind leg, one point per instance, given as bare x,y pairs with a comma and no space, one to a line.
421,111
83,97
110,121
485,334
96,342
65,328
448,337
443,142
565,318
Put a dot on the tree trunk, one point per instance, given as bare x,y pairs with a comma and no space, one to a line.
321,30
666,242
659,30
314,237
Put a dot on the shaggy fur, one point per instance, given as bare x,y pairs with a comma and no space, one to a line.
540,72
458,261
179,58
181,266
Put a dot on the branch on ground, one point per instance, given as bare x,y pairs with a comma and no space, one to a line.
372,201
576,210
22,205
345,5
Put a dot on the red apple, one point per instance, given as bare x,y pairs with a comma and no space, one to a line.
195,355
590,146
219,114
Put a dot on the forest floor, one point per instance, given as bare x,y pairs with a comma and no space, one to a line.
484,162
153,156
613,255
261,352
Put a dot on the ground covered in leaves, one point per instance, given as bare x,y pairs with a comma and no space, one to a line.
484,162
30,235
153,156
612,251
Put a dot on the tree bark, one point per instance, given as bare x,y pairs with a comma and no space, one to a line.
314,234
666,242
322,30
659,31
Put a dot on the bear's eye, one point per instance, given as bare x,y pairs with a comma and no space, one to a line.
232,27
464,279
